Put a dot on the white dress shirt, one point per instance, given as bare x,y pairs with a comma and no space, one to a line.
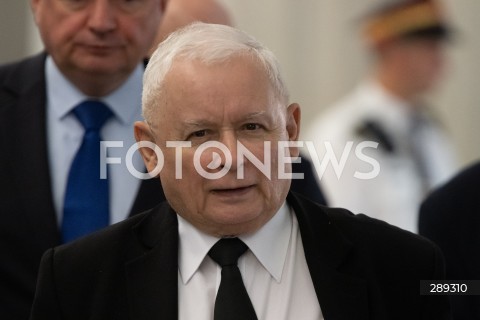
65,134
274,271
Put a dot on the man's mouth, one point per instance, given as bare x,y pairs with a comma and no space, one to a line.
99,49
233,191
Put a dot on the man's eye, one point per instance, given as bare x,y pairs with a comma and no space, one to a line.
75,4
131,5
199,133
252,126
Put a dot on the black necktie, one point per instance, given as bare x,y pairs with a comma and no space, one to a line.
232,302
86,207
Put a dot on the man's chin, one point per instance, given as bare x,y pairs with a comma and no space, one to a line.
102,65
237,221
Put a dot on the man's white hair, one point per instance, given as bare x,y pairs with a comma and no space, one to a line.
210,44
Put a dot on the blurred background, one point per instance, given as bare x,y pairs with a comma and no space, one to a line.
320,49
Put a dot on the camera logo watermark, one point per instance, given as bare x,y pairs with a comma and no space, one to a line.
222,160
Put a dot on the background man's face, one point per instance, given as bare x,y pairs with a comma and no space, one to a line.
228,102
421,61
97,37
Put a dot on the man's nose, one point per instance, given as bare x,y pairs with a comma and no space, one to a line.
102,16
230,141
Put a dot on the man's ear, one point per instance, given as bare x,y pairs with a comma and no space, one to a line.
143,133
293,126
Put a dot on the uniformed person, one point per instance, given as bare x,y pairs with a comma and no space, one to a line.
413,152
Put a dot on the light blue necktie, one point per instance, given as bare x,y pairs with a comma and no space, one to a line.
86,206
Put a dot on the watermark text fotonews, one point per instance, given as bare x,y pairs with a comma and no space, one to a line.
221,160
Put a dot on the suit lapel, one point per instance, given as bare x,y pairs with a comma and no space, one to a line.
341,296
152,277
28,151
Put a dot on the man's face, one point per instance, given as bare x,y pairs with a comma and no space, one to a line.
422,62
97,37
428,60
228,103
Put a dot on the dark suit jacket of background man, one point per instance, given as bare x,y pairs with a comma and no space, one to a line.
361,269
451,218
28,224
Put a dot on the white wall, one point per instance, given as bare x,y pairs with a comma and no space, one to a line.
13,14
318,46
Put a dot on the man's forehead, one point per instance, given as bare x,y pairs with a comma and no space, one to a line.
182,65
219,83
193,87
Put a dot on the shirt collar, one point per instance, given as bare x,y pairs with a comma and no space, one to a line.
193,247
269,244
63,96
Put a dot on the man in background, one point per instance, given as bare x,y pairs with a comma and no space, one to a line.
180,13
450,217
55,108
413,153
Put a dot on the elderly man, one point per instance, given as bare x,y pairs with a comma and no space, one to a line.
232,242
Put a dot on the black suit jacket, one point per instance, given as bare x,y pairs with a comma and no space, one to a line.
450,217
28,224
361,269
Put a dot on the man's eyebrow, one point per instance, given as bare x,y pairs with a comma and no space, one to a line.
195,123
199,123
254,115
